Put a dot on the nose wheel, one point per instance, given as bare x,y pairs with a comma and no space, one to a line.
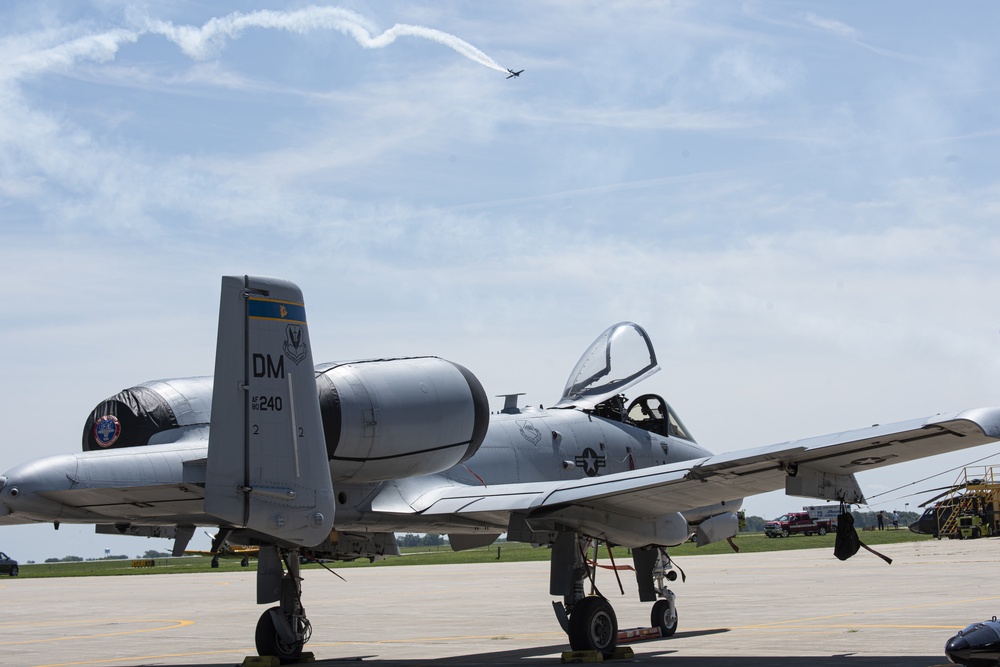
664,616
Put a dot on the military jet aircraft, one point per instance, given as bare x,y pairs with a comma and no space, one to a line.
328,461
514,74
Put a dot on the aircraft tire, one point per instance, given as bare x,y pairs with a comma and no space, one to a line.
593,626
664,617
14,571
269,643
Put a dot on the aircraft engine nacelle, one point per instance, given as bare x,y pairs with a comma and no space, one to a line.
150,413
382,419
395,418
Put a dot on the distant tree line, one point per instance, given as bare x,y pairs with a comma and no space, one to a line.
870,519
428,540
77,559
754,524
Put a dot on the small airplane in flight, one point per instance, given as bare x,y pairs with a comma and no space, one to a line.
514,74
329,461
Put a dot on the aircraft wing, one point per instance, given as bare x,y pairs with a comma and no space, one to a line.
103,487
654,492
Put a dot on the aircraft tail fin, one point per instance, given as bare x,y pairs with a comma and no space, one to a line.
267,464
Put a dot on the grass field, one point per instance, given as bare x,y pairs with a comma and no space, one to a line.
501,551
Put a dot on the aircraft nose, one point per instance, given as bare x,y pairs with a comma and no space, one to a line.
976,645
3,482
958,650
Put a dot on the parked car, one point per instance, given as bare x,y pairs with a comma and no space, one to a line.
8,565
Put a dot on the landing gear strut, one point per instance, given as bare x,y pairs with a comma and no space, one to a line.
282,631
664,613
589,620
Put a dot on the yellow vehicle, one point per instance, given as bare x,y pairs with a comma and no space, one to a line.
971,526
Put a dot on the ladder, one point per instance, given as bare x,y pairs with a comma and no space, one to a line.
976,492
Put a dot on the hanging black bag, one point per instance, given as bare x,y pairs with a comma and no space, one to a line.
848,542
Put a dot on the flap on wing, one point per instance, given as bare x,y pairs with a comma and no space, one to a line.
134,502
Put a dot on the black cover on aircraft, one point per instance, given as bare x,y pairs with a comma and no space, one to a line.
127,419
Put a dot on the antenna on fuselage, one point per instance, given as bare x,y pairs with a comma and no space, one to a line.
510,403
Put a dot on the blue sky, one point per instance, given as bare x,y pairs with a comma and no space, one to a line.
799,202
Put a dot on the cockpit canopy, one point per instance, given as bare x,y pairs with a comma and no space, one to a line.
620,357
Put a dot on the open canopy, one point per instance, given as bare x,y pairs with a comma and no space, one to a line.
620,357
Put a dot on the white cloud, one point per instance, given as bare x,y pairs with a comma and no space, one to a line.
741,74
832,26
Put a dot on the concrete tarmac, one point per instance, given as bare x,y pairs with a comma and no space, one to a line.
775,609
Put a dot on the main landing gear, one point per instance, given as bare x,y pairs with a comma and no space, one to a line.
282,631
589,620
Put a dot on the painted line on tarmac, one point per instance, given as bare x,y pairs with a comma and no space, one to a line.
129,660
174,625
852,626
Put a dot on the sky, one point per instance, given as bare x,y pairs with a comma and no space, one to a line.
799,201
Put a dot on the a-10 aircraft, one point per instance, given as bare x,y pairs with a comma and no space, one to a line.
329,461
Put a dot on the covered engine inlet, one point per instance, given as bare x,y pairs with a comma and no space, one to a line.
393,418
150,413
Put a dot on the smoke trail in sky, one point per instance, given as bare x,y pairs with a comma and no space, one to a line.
50,53
201,42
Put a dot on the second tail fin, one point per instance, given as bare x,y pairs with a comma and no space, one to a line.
267,464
